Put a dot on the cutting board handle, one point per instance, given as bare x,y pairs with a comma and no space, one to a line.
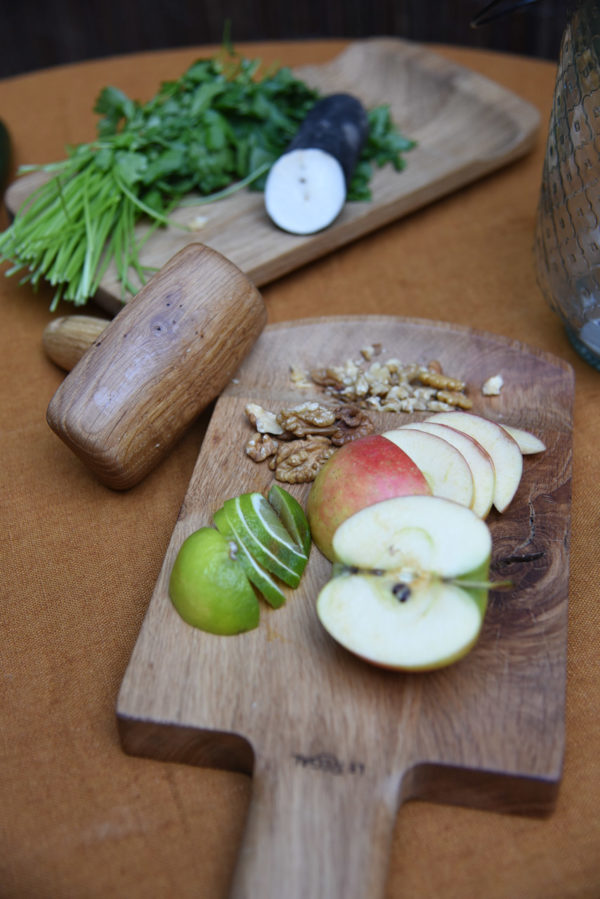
316,827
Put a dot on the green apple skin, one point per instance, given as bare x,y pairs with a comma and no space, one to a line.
209,588
267,527
359,474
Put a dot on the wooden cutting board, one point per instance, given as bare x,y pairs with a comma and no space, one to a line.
335,745
465,125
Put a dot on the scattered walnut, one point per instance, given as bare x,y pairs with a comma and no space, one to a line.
440,381
326,377
307,434
261,447
493,386
264,421
299,461
454,398
391,385
352,423
309,418
299,377
368,352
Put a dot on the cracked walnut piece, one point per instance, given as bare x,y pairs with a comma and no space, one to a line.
308,418
307,436
299,461
261,447
393,386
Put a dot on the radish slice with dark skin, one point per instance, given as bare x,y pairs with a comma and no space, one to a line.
306,188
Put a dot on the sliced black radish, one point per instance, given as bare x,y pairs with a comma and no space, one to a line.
307,186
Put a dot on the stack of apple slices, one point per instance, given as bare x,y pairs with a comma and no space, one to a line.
258,546
411,557
468,458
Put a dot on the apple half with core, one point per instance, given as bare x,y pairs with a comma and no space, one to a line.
358,474
410,583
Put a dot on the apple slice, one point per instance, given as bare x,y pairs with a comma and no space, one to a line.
256,574
267,527
397,600
528,443
445,468
504,450
478,460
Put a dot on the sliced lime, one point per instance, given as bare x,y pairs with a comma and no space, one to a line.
292,516
255,573
267,527
269,556
209,588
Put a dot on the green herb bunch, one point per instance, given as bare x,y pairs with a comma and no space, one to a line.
216,129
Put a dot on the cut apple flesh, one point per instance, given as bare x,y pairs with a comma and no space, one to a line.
444,467
477,458
504,450
397,599
433,626
390,535
528,443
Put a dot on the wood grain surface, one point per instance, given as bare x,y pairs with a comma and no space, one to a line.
335,745
466,126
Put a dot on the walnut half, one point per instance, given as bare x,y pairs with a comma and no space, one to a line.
299,461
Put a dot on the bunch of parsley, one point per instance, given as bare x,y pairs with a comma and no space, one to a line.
216,129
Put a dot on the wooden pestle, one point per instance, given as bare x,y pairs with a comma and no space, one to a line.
163,358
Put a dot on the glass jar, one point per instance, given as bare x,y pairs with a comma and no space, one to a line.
567,237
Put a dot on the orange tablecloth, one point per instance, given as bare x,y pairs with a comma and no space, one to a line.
78,818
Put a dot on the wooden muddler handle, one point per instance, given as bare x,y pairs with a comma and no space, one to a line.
166,355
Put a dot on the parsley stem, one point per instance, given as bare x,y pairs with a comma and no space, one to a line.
231,189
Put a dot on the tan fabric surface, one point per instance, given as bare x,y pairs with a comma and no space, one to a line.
80,819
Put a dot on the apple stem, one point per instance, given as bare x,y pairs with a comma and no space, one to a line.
481,585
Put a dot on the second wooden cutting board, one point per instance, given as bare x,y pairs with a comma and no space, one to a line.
465,127
333,744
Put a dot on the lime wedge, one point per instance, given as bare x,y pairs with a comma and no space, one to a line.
267,527
273,554
292,516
